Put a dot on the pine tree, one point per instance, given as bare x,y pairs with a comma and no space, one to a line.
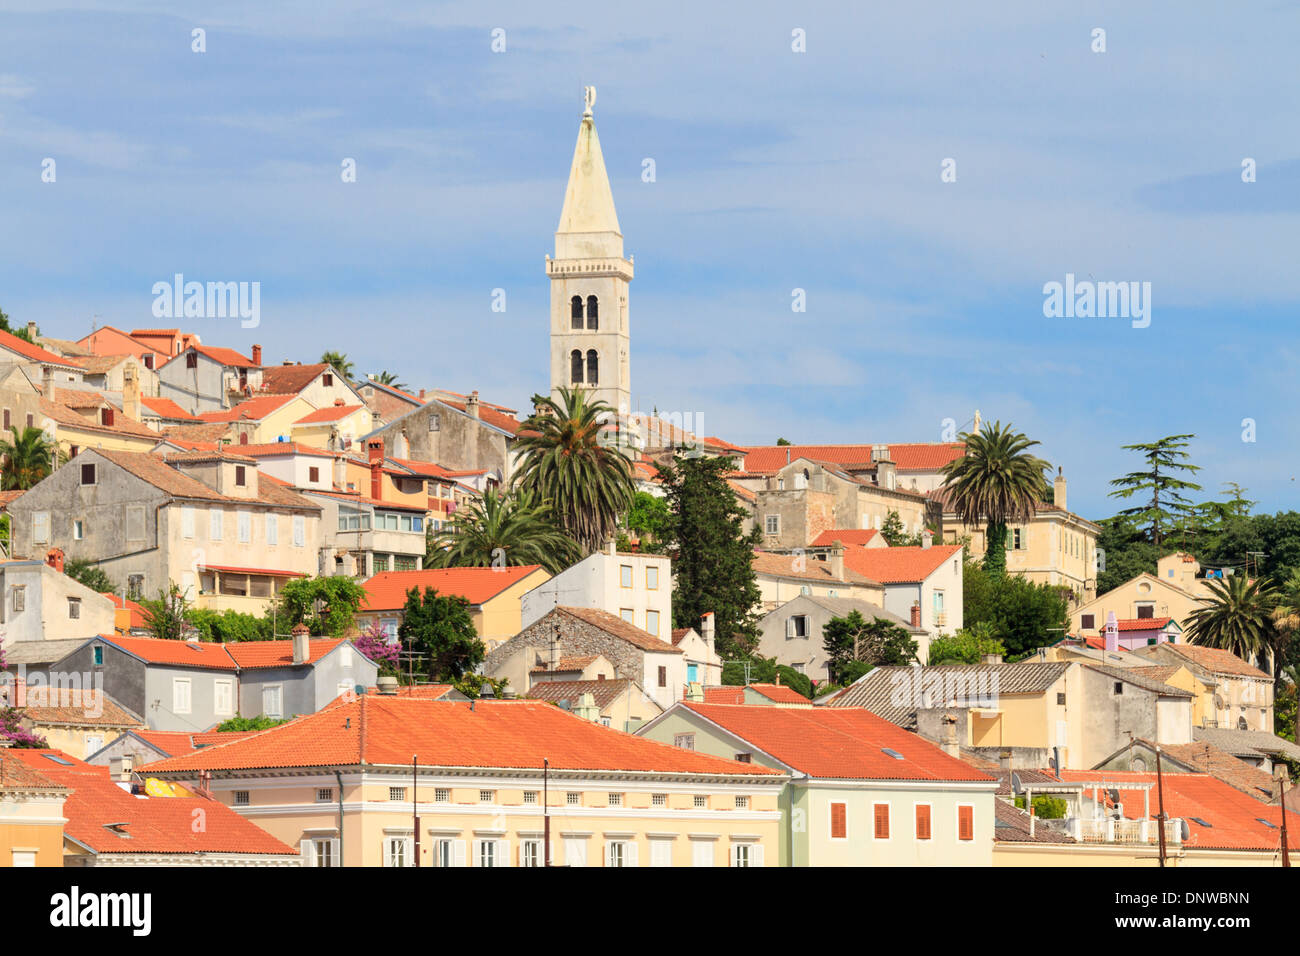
713,560
1165,458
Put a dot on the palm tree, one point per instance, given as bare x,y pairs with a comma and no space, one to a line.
1237,616
565,461
502,530
29,458
340,363
996,481
1286,613
386,378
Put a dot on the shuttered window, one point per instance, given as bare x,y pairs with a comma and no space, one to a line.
881,813
965,823
923,822
839,821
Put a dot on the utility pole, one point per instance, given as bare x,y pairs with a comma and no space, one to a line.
1281,797
1160,789
415,803
546,812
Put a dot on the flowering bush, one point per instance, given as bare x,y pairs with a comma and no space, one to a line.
373,643
11,727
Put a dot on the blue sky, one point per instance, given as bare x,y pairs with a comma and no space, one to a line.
775,170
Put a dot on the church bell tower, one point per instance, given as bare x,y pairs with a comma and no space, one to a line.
589,281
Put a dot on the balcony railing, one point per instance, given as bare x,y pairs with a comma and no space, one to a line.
1125,831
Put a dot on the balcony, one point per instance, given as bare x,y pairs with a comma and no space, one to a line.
1123,831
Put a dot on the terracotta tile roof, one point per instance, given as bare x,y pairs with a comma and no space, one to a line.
330,413
9,497
65,347
777,693
149,825
166,408
858,536
679,633
34,353
269,572
1156,672
743,493
565,664
253,655
267,449
155,471
122,425
878,690
1247,743
1216,661
490,415
906,457
223,453
358,498
515,734
1205,757
898,565
227,358
1139,624
614,625
243,655
847,743
207,433
250,409
290,379
604,692
17,776
386,591
68,707
790,566
1233,816
76,398
421,691
722,443
173,743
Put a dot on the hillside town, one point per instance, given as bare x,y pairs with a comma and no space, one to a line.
363,623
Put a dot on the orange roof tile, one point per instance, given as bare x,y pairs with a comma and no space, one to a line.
1233,816
251,655
794,566
34,353
386,591
516,734
290,379
149,825
849,743
919,456
777,693
898,565
242,655
250,409
330,413
1216,661
166,408
227,358
615,625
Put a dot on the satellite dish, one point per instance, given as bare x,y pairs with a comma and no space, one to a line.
1015,783
1185,832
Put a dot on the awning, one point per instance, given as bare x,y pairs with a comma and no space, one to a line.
268,572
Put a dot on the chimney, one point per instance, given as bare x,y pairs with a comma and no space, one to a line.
340,473
47,383
54,558
375,452
31,332
120,768
301,644
927,538
916,614
421,396
130,393
835,562
1112,632
949,744
257,355
706,629
1058,490
990,659
376,421
471,404
387,685
612,548
587,708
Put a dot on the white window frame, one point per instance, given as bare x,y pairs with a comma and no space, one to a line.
299,531
399,850
272,530
652,622
916,805
214,524
244,520
889,807
182,695
772,524
187,521
278,691
223,689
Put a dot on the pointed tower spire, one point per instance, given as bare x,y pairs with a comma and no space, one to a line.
588,222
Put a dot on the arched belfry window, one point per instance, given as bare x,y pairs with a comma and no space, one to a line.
593,315
593,367
575,311
575,367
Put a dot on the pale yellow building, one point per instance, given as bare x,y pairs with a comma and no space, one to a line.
31,816
1174,591
493,778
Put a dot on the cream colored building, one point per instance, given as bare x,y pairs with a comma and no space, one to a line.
31,815
647,805
783,577
861,791
1173,591
636,587
1055,547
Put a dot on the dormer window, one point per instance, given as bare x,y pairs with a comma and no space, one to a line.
240,476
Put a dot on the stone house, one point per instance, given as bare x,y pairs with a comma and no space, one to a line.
792,633
567,632
457,435
192,519
202,378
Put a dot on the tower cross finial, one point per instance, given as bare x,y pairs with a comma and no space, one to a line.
589,98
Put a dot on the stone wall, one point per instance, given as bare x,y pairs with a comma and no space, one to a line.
515,657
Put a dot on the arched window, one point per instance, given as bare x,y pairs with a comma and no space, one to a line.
593,367
593,315
575,311
575,367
